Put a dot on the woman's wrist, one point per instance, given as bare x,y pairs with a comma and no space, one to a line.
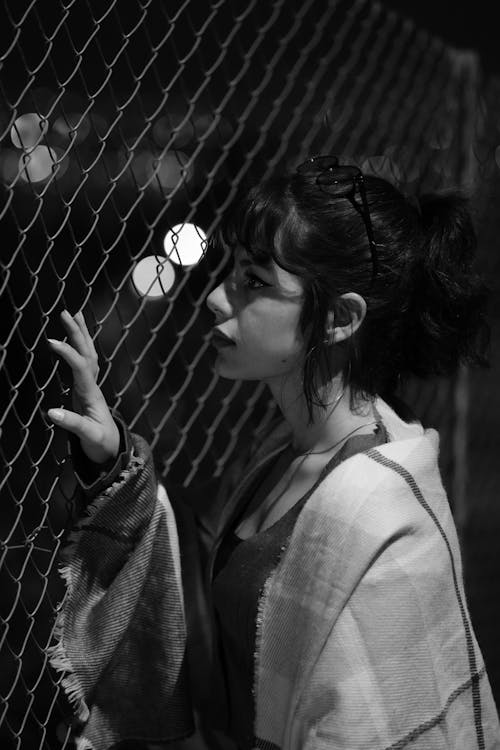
95,477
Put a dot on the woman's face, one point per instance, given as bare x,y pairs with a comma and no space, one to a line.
258,309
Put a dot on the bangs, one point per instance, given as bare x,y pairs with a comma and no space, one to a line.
264,223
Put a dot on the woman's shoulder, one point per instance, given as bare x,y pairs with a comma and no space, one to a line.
389,487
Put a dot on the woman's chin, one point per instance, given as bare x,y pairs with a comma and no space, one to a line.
225,369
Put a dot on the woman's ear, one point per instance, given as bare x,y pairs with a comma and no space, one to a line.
344,321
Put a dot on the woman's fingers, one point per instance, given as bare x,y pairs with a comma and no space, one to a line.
80,352
81,366
83,335
80,321
75,333
71,421
80,426
91,420
100,442
74,359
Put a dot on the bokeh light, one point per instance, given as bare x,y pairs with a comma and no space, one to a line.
40,163
27,131
220,134
74,121
173,169
153,276
142,167
185,244
99,124
174,129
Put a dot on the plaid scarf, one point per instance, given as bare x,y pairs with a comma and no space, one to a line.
120,633
364,639
363,634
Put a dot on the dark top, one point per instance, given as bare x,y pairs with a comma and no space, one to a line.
241,569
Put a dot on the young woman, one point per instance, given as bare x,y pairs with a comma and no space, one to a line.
314,599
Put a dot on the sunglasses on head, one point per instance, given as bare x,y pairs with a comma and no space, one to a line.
343,181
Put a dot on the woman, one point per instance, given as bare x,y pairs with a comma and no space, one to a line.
328,610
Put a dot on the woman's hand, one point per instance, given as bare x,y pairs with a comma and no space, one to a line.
91,419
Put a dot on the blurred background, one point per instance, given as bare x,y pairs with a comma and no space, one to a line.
126,126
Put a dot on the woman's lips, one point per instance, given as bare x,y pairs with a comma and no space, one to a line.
220,339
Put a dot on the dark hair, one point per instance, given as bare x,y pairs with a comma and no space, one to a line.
425,307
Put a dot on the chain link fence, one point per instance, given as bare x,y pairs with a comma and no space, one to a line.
126,127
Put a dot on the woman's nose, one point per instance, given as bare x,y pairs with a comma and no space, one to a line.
218,302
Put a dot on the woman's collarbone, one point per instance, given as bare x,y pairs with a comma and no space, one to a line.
275,498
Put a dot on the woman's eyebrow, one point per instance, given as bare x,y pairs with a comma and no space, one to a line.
245,262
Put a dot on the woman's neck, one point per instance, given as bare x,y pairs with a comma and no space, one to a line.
329,426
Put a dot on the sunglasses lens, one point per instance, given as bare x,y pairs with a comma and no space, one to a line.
318,164
330,183
347,173
339,182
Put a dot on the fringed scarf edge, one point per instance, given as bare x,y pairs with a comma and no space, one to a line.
57,654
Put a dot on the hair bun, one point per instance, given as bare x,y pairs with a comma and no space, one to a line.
448,227
447,311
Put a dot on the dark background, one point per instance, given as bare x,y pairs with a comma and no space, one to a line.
467,25
46,246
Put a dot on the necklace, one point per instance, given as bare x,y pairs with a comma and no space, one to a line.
314,453
331,447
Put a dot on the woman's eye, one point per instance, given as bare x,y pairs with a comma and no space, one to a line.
253,282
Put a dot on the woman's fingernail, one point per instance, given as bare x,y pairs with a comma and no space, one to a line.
54,342
56,414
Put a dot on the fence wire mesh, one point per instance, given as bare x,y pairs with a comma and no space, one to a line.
121,125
